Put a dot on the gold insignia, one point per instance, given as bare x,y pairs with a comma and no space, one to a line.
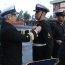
49,35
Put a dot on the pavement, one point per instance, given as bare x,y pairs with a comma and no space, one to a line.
27,53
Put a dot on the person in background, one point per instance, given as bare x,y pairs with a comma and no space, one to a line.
43,44
58,29
11,39
61,53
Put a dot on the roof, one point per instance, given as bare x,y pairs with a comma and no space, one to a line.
56,1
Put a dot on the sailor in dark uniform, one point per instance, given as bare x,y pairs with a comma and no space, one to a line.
58,29
60,35
11,39
43,44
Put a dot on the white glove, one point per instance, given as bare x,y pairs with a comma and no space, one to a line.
38,29
31,36
34,27
23,32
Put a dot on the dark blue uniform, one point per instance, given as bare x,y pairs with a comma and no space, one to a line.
58,30
12,44
61,54
45,42
11,39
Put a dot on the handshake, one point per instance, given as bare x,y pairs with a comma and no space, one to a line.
33,33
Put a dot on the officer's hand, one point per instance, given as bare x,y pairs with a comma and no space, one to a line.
59,42
23,32
26,31
34,27
32,34
38,29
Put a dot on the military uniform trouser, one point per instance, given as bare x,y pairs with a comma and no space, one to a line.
40,53
61,54
55,50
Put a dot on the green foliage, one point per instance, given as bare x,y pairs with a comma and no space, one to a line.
26,16
23,16
20,16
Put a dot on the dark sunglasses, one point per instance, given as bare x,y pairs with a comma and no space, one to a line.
37,11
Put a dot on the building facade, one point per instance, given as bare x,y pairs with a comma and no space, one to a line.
58,4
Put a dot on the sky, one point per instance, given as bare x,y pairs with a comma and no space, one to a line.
26,5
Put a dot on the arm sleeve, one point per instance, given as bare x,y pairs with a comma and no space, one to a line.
48,39
17,36
23,37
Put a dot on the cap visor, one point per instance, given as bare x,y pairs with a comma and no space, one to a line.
34,10
16,12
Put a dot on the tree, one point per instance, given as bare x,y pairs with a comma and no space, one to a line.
26,16
20,16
